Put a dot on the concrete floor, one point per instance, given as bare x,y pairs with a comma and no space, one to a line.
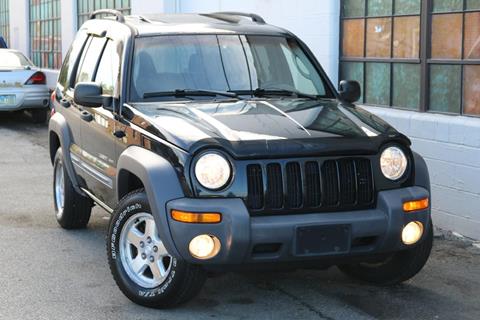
50,273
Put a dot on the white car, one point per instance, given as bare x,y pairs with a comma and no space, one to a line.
22,86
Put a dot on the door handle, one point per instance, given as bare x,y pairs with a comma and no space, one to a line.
86,116
65,103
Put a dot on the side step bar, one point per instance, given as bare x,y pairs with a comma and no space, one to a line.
98,201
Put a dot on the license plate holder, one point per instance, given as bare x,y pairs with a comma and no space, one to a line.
322,240
7,99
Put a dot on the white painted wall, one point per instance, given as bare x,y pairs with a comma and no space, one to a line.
69,23
140,7
315,22
19,35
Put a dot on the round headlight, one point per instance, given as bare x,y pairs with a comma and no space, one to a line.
393,163
213,171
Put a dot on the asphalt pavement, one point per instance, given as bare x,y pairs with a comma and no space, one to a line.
50,273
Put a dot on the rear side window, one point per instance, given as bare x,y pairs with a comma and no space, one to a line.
13,60
90,59
109,69
71,59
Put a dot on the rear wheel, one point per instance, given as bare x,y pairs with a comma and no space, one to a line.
72,210
395,269
141,265
39,115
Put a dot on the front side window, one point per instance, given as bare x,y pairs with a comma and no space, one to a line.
223,63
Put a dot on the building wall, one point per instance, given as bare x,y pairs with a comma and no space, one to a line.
19,26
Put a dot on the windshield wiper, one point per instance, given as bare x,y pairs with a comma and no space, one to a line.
261,92
183,93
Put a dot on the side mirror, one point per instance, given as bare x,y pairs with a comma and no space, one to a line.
90,94
349,90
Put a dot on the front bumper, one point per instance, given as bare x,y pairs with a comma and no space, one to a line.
245,239
26,97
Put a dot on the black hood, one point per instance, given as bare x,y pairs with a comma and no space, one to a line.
269,128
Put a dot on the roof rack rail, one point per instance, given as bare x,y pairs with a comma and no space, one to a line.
118,14
255,17
141,18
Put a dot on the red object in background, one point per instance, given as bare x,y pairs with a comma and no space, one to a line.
52,104
37,78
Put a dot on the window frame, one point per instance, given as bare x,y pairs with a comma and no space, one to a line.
82,16
42,23
425,59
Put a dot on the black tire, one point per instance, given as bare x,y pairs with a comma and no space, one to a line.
76,208
39,115
397,268
182,283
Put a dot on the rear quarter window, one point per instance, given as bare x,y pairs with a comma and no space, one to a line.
109,69
71,59
90,60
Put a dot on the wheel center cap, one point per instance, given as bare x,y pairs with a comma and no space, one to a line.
148,250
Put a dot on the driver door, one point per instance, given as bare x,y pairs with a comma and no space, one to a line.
98,146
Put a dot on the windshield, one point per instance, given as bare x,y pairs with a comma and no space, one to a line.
232,63
10,59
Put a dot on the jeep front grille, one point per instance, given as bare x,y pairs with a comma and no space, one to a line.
282,187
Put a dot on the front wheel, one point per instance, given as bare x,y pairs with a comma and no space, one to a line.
140,264
395,269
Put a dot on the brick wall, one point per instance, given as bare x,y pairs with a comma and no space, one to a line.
451,148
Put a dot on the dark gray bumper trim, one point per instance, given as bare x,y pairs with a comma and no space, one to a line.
239,233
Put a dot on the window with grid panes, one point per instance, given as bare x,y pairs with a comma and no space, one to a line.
86,7
454,62
381,48
45,33
5,20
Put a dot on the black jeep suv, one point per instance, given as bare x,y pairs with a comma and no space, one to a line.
217,142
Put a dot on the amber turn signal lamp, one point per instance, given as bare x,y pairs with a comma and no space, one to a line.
196,217
415,205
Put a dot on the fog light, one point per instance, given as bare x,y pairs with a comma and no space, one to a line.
412,232
204,246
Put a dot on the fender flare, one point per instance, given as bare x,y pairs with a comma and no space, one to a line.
161,185
58,124
422,177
